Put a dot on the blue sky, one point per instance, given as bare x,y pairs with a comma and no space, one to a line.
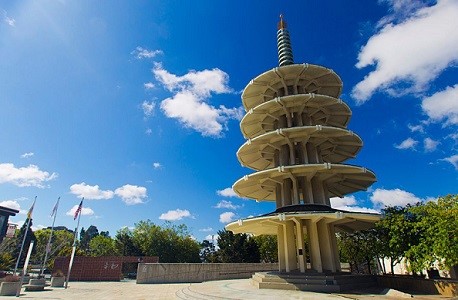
135,105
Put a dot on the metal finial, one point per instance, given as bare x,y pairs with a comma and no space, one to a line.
285,52
281,24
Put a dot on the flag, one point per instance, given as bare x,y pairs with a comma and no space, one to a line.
54,210
29,214
78,210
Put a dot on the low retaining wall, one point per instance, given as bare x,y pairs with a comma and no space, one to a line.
168,273
445,287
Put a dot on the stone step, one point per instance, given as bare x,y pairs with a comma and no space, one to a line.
276,279
316,282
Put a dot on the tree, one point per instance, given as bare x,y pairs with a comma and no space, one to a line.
437,224
398,233
172,244
124,243
267,245
61,245
359,249
102,246
237,248
86,236
208,252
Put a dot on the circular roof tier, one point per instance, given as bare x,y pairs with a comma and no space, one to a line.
305,78
322,110
334,144
342,220
340,179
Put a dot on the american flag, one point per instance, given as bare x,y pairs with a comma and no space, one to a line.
78,210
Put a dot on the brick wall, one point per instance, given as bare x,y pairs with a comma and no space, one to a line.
103,268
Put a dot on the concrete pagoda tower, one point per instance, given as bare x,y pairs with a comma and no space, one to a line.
297,141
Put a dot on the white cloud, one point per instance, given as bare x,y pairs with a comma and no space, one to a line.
141,53
157,165
25,176
414,128
453,160
27,155
131,194
13,204
8,20
208,229
227,192
396,197
227,217
148,108
149,85
338,202
347,203
38,227
405,61
212,237
408,143
430,144
442,105
226,204
90,192
148,131
189,103
175,215
85,211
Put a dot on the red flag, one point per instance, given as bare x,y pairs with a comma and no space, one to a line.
78,210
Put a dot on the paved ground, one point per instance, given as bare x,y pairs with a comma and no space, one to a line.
224,289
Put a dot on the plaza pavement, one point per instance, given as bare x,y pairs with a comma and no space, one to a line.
220,290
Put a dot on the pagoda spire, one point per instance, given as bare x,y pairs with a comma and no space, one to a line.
285,52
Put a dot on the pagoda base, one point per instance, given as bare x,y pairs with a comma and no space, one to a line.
313,281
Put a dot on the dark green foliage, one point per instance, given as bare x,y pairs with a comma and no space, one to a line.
268,248
124,243
173,244
237,248
208,252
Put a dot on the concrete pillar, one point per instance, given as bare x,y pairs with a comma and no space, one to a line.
335,249
318,192
281,249
315,254
300,245
290,246
287,189
278,195
326,247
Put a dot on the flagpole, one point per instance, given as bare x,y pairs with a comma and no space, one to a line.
24,270
74,246
29,215
48,246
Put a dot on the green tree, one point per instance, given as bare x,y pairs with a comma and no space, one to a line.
267,245
359,249
86,236
102,246
208,252
61,245
237,248
437,225
398,232
171,243
124,243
